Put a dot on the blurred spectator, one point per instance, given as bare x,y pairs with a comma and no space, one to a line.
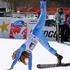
59,17
66,16
68,21
66,28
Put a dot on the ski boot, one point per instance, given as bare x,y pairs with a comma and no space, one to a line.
59,57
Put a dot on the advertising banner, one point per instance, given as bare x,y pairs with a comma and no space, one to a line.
15,28
50,33
20,28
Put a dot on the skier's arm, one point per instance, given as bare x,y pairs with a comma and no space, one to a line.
30,61
21,49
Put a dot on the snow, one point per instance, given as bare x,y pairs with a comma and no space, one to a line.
40,54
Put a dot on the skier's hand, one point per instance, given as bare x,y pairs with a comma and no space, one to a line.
14,54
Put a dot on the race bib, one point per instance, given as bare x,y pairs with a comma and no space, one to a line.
31,42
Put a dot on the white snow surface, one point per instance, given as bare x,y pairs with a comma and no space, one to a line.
40,54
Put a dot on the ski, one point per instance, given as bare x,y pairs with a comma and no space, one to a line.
52,65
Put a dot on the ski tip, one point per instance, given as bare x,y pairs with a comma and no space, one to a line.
38,66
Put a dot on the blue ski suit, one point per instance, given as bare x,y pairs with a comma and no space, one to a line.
38,33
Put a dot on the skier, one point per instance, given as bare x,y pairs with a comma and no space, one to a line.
37,34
